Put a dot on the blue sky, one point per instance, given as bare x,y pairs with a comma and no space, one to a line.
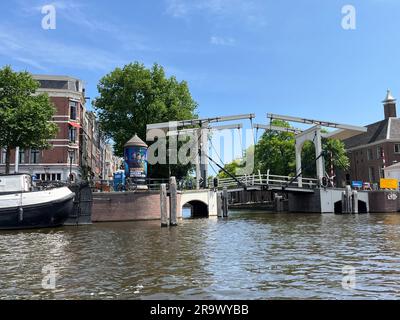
287,57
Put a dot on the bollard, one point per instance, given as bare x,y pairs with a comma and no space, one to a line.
225,202
278,203
163,205
355,202
344,205
348,199
219,205
173,199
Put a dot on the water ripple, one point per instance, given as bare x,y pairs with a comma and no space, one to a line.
249,256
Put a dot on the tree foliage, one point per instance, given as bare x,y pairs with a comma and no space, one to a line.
334,153
25,117
276,151
231,167
134,96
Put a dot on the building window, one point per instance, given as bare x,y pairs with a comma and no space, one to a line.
3,156
34,156
73,107
21,156
48,176
397,148
371,174
369,154
379,152
72,134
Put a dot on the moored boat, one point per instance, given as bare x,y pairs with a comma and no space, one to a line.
23,208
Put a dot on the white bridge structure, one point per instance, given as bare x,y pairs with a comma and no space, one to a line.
309,197
314,135
304,194
202,202
272,182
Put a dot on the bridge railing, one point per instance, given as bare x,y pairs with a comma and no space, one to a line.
230,183
266,179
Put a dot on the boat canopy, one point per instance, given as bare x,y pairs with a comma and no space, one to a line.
15,183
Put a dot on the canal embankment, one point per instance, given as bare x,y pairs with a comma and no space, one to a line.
128,206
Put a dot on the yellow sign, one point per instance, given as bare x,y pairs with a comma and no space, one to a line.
389,183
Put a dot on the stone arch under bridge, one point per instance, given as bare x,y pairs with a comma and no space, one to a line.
203,202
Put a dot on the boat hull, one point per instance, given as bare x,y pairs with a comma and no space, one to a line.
40,215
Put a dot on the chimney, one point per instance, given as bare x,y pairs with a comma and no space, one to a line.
389,105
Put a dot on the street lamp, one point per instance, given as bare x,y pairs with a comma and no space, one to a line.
71,153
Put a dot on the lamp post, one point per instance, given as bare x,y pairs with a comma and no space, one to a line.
71,153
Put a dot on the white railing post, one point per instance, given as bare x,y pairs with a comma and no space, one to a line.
268,176
260,177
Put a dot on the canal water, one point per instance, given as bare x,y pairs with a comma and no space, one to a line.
251,255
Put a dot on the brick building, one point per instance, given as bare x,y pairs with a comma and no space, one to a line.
78,148
379,147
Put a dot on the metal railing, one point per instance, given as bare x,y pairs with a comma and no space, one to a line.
109,186
230,183
266,180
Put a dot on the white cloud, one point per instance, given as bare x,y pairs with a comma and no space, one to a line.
249,11
39,51
74,13
32,63
177,8
220,41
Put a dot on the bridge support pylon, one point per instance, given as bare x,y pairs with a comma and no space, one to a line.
314,135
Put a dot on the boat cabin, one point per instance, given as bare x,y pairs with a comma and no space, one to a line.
15,183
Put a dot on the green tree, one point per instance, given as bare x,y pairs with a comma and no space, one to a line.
25,117
276,151
334,153
134,96
231,168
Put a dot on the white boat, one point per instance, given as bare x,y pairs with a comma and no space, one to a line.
23,208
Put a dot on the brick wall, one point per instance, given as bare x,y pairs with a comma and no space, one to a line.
360,164
127,206
383,201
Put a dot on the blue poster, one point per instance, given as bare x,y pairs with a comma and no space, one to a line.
136,162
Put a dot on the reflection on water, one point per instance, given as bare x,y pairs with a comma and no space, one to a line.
249,256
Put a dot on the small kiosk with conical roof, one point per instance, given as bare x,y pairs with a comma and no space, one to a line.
135,156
